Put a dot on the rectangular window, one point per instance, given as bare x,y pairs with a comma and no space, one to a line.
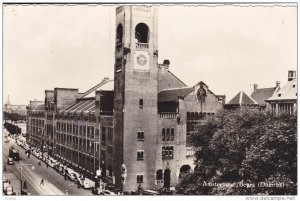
140,155
139,178
167,152
88,130
92,132
140,136
103,136
84,130
141,103
109,149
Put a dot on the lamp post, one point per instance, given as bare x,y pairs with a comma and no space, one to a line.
21,171
99,172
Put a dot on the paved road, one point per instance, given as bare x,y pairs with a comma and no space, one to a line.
54,183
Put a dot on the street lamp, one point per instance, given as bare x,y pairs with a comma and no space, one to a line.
21,171
98,172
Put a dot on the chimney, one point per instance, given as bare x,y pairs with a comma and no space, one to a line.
291,75
255,86
166,63
105,79
277,84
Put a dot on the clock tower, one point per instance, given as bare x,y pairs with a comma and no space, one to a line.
135,97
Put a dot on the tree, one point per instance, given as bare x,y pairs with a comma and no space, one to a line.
239,150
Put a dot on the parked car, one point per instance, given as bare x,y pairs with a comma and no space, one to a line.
107,192
5,185
98,191
10,191
10,161
87,183
4,180
150,192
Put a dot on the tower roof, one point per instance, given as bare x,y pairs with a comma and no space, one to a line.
242,99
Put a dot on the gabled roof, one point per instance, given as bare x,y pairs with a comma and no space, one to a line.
242,99
82,105
173,94
40,107
167,80
260,95
287,92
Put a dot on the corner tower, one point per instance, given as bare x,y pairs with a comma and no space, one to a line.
135,97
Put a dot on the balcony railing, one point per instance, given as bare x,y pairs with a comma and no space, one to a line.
142,46
168,115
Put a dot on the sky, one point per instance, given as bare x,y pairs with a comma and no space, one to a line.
229,47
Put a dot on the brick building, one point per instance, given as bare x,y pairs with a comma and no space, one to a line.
137,131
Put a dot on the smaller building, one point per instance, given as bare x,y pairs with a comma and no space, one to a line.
285,99
262,94
241,100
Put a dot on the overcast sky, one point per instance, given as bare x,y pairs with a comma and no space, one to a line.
228,47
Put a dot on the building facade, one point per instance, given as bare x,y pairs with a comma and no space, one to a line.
137,131
285,99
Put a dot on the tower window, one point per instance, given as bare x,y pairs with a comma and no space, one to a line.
119,38
139,178
142,33
140,155
140,136
163,134
167,152
141,103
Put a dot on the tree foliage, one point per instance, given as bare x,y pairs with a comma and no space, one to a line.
13,116
244,152
12,129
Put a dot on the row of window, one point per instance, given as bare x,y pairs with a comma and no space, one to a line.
167,153
197,115
77,129
37,122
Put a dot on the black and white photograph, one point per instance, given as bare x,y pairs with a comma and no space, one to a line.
166,99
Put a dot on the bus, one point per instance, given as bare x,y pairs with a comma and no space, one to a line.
14,153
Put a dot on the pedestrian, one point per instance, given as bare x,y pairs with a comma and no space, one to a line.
24,185
42,182
47,165
139,189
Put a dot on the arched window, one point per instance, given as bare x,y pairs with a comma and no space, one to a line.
142,33
172,134
119,38
159,175
163,134
168,134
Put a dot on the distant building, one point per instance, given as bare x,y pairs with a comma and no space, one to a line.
285,99
260,95
241,100
18,109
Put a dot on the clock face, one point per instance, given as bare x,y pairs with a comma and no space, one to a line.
141,59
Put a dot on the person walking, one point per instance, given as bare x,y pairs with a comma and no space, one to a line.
24,185
42,182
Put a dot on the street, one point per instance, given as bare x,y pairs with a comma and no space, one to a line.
54,183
